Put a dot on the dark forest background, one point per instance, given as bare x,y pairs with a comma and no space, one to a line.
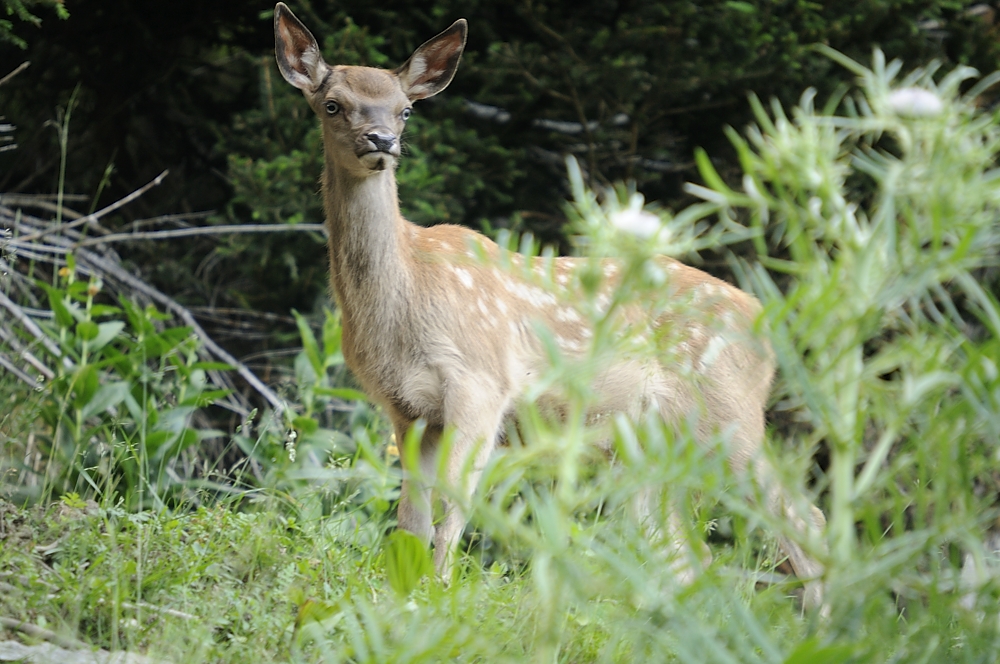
629,87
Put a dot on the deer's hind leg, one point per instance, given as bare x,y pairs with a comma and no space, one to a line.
746,454
806,519
653,509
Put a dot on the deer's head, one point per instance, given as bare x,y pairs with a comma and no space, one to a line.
363,110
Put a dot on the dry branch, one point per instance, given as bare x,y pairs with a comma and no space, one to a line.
94,216
202,230
17,70
41,633
146,606
13,368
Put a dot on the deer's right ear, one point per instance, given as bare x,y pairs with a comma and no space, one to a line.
296,50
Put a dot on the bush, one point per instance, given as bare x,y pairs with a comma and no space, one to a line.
118,410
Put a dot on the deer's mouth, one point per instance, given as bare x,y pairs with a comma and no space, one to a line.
377,160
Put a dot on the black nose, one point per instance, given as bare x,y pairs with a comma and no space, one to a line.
382,142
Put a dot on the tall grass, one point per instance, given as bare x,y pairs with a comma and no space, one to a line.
874,223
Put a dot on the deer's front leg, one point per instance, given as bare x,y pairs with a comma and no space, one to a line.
414,512
682,556
477,417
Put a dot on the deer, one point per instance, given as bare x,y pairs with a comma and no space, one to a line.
437,336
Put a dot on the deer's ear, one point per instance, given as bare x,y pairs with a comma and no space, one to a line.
296,50
432,66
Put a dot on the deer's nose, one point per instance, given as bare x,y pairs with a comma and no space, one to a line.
382,142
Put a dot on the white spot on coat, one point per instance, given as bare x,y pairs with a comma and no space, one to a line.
463,276
567,315
712,351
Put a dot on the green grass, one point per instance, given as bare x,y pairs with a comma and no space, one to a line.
258,587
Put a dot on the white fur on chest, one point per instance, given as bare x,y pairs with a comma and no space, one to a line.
421,386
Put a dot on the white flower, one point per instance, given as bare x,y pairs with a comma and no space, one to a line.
915,103
640,223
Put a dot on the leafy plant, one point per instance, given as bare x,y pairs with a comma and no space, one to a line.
119,410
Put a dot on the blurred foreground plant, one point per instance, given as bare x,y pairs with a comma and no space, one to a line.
882,220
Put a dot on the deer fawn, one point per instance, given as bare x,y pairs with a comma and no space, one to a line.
435,335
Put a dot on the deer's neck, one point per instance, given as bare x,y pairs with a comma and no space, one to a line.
369,255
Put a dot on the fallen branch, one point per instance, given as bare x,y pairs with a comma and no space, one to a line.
42,633
31,327
13,368
17,70
202,230
25,354
163,218
146,606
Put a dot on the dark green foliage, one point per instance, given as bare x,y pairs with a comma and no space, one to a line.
22,11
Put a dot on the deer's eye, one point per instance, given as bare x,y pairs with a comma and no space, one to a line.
405,114
332,107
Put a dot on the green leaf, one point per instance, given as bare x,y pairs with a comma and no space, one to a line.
314,611
309,345
306,425
344,393
87,330
73,499
811,652
212,366
57,303
407,561
156,439
104,310
134,409
108,396
106,332
332,336
206,398
742,7
305,374
187,438
77,290
708,172
85,384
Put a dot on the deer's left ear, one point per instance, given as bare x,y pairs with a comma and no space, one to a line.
432,66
